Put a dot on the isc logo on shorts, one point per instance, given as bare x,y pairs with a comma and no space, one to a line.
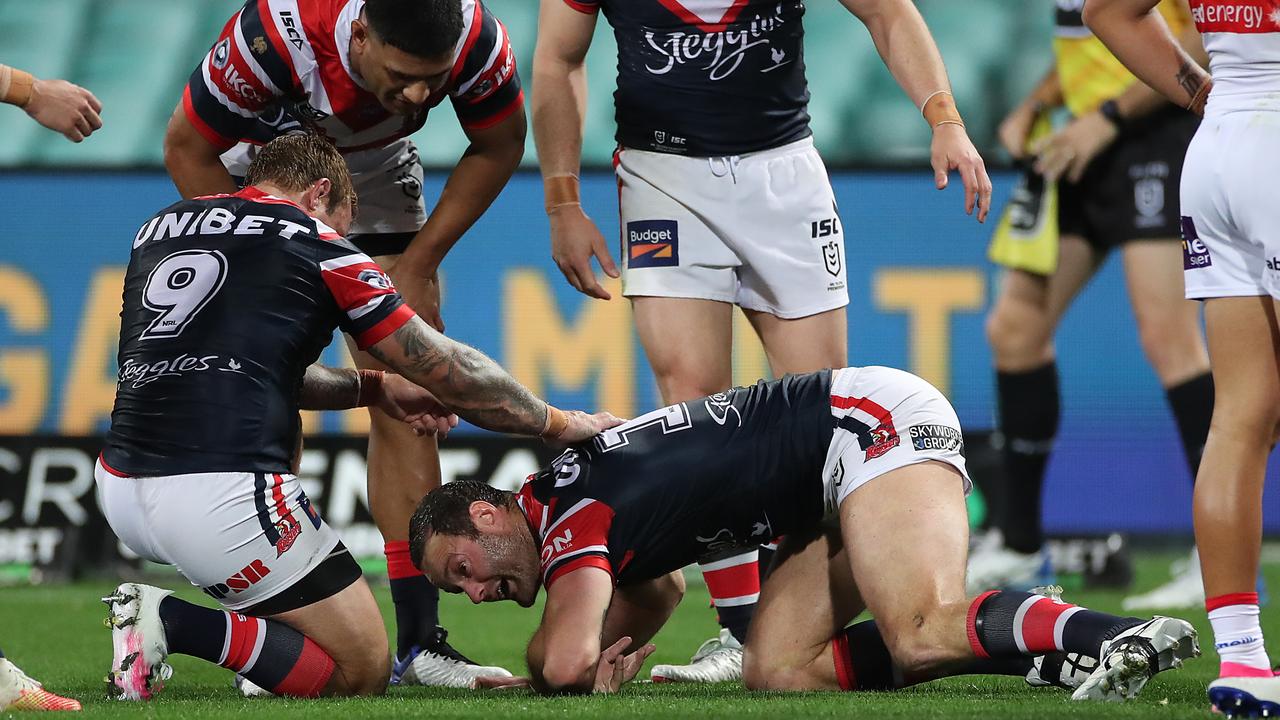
653,243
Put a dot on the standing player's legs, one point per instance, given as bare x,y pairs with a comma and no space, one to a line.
1244,344
1171,338
403,468
679,275
1020,330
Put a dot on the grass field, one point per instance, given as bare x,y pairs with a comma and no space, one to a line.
56,634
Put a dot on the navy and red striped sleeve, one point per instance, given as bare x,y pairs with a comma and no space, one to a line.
371,307
244,73
578,538
484,87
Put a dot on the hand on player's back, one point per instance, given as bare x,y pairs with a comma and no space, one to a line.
65,108
574,240
584,427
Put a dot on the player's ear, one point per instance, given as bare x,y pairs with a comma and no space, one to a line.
316,198
483,515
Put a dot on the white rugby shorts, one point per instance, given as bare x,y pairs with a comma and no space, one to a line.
759,230
388,183
886,419
241,537
1231,212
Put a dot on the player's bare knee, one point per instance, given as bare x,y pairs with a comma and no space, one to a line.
1015,338
765,675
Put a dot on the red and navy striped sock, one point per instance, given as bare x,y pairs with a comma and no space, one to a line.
863,662
416,600
270,654
734,584
1004,623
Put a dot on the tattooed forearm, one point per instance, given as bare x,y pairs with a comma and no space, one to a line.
326,388
1195,82
466,380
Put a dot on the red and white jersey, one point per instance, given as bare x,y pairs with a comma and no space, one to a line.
1243,41
282,64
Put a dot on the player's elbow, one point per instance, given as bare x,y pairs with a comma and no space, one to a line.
1091,13
568,674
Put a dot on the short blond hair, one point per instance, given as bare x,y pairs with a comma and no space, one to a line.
296,160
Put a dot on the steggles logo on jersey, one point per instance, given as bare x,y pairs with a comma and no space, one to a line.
719,51
653,243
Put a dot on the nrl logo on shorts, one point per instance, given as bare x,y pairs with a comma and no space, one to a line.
831,257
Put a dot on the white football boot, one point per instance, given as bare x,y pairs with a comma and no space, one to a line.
717,660
1134,656
138,669
1064,670
18,691
441,666
996,567
1246,697
1185,590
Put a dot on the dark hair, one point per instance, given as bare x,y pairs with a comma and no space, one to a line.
296,160
426,28
447,510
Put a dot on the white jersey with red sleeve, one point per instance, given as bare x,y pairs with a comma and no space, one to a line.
279,65
1242,38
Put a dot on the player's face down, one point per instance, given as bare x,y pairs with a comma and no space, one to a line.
500,564
402,82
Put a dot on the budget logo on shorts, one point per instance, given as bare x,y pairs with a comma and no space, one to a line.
1194,252
937,437
653,243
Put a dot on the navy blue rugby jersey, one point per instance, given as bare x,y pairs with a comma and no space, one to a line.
227,300
708,77
735,469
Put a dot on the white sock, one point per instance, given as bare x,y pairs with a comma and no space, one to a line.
1237,636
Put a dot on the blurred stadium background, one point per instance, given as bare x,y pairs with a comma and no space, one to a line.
919,280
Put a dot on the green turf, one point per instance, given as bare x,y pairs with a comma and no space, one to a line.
56,634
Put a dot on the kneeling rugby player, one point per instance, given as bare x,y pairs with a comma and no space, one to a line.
228,300
860,469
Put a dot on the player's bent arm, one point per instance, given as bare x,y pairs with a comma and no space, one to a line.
1137,34
565,649
484,169
327,388
194,164
466,380
559,102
